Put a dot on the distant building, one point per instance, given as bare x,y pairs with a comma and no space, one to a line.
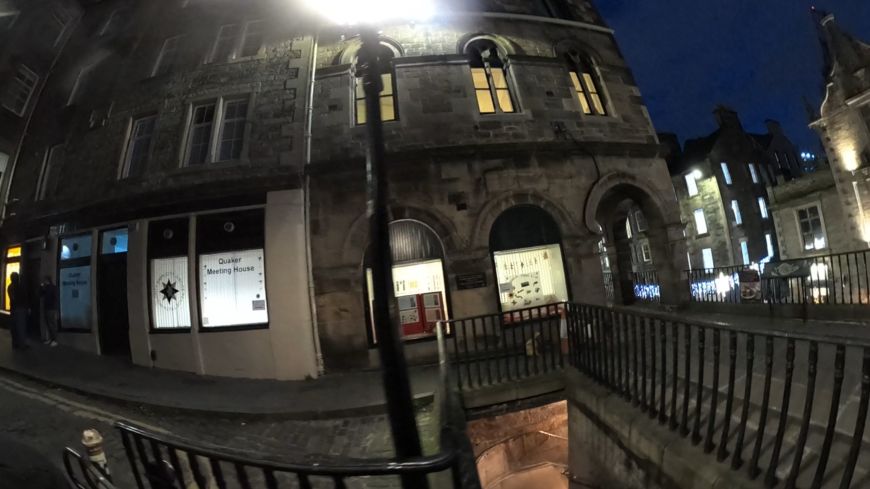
843,124
720,183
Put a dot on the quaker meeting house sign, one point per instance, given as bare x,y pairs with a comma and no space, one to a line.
233,288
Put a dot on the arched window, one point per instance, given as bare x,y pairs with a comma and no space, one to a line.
489,74
388,93
585,82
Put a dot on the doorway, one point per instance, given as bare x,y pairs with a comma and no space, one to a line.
112,318
30,280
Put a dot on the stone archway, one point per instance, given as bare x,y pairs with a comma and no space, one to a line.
608,208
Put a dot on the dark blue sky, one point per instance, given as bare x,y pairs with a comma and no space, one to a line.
759,57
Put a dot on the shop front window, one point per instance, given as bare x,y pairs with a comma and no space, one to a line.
12,265
75,283
168,274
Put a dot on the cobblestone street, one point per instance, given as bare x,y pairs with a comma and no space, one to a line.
49,419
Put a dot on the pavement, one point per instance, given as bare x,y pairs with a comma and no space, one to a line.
331,396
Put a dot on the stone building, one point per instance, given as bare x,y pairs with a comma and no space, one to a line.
720,181
843,124
177,154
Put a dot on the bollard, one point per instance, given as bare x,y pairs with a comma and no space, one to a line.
92,440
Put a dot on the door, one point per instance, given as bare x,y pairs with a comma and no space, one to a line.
112,316
30,279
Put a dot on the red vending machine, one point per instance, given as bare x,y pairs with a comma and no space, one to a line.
419,313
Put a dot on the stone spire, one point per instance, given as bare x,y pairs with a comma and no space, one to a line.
839,48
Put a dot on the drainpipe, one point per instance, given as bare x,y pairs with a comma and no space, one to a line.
7,187
306,191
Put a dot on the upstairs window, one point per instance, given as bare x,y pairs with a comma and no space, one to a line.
217,131
726,173
707,258
735,208
490,77
138,146
700,222
168,56
387,95
237,40
19,90
762,208
753,172
640,220
227,38
586,83
252,39
691,184
811,228
646,252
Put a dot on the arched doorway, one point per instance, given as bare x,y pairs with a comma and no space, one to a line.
419,285
526,247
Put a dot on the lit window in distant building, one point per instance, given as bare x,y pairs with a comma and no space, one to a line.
753,172
762,207
700,222
387,95
628,228
490,77
707,257
168,56
647,254
744,251
735,208
691,184
811,228
768,238
725,173
19,90
51,162
586,83
640,221
138,146
12,264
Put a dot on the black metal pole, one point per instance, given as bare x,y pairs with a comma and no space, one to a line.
397,386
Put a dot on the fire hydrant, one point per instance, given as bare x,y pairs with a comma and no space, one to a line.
92,440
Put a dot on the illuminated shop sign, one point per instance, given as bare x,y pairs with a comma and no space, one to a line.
233,288
530,277
74,282
170,303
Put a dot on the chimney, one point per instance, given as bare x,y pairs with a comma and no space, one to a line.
727,118
773,126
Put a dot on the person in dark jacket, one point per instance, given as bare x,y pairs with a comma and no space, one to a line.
18,308
48,305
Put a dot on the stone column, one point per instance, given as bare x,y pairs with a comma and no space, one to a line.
670,244
583,266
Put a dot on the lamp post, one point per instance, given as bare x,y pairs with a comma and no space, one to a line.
397,387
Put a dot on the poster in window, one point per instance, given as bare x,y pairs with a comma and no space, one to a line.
170,303
75,297
233,288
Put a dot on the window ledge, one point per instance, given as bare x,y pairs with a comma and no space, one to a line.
218,165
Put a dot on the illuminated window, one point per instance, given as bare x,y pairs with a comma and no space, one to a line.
691,184
12,264
252,39
640,221
237,40
726,173
19,90
217,131
735,208
168,56
647,254
811,228
753,172
762,208
700,222
744,251
138,146
628,228
387,95
530,277
586,83
490,78
707,257
769,240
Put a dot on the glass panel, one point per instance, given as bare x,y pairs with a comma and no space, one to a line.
170,303
498,78
360,90
530,277
361,111
114,241
13,252
75,247
387,84
13,267
575,81
584,104
75,297
233,288
484,102
388,109
226,41
590,83
596,101
504,101
253,38
479,77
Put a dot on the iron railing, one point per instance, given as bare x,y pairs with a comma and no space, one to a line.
682,372
834,279
646,286
497,348
159,461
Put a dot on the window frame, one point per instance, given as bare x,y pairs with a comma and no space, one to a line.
744,251
726,173
735,210
84,73
474,51
161,57
822,226
10,258
358,95
238,42
126,162
216,131
45,172
704,255
588,89
22,69
753,173
700,212
763,210
646,252
690,177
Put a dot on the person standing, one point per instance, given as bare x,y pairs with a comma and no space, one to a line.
18,309
48,309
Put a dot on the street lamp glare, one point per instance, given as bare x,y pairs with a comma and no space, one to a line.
371,12
697,174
